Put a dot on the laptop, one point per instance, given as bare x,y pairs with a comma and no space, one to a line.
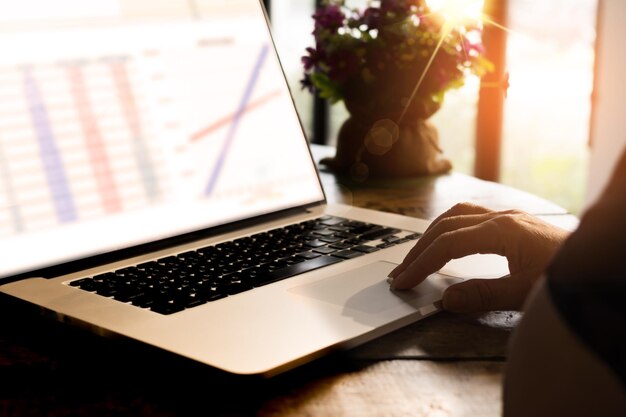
156,184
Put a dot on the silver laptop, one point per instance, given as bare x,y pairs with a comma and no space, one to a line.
156,184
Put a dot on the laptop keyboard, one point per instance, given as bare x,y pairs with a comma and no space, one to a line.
192,278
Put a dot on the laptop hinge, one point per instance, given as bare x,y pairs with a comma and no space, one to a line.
118,255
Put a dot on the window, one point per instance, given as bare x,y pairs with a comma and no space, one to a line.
550,58
292,26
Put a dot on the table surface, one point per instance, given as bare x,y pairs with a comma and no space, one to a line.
444,365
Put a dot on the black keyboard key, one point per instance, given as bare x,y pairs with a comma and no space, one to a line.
308,255
341,245
330,239
212,293
315,243
414,236
347,254
294,260
339,229
126,289
83,284
332,221
237,286
324,232
126,296
295,269
277,265
169,260
145,265
104,277
168,306
378,233
131,271
193,299
324,250
106,289
174,283
365,248
345,235
355,242
144,300
360,227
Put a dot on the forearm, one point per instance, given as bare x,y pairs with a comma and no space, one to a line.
552,372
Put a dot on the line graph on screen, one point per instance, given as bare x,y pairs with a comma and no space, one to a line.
235,120
59,163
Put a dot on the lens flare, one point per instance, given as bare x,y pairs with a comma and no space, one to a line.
457,12
455,15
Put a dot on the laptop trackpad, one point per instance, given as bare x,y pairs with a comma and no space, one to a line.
366,289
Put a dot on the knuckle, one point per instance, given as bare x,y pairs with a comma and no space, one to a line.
516,212
461,208
445,225
443,243
443,239
508,221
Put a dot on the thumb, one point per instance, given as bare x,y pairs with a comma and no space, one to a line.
506,293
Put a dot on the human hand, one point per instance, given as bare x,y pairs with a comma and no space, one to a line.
527,242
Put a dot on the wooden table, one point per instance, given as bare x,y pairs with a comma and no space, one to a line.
445,365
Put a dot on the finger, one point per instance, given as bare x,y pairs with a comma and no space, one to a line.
506,293
443,226
480,238
460,209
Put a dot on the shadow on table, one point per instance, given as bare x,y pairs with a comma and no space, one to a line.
445,337
51,369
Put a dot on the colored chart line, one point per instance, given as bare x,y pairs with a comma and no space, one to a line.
131,113
236,119
229,118
50,156
94,143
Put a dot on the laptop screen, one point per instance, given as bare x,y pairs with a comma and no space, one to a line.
128,121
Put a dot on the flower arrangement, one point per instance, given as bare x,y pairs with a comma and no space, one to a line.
387,43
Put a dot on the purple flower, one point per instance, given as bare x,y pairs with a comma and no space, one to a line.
401,6
328,18
371,17
343,65
373,43
307,84
309,61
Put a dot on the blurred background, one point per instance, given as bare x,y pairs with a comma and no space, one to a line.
545,134
561,128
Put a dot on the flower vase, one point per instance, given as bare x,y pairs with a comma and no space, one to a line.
387,135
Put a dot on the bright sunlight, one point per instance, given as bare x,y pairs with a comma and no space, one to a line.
457,12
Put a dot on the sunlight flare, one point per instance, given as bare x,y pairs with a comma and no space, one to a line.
457,12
